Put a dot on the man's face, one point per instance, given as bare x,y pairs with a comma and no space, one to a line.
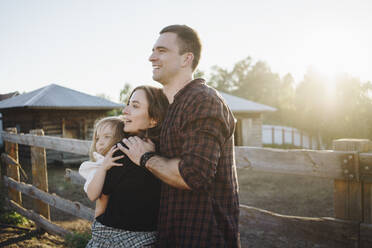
165,58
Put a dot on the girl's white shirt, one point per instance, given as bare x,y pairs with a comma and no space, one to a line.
88,169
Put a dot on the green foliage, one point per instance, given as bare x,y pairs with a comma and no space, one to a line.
256,82
343,111
12,218
7,216
199,74
125,93
78,239
123,98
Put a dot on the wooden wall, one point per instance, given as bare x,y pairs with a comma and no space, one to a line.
248,129
77,124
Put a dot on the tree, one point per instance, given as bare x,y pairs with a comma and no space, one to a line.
313,106
199,74
125,93
310,101
338,112
123,98
220,79
257,83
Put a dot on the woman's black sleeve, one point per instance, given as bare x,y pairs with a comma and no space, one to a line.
116,173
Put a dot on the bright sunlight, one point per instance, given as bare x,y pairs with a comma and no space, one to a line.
331,51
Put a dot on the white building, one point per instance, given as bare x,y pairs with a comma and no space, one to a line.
249,119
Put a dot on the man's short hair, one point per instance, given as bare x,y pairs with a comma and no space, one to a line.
188,41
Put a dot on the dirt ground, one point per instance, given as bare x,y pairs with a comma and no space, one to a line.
283,194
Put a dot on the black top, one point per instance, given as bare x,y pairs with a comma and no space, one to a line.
134,197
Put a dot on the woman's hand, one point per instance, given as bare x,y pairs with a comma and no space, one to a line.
136,148
109,161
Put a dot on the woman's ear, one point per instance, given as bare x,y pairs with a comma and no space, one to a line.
153,123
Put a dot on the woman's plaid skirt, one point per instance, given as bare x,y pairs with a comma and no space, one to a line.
104,237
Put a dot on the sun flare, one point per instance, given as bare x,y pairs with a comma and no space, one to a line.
331,52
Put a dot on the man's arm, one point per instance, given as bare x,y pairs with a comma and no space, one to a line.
167,170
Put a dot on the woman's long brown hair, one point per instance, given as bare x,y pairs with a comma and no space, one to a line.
158,105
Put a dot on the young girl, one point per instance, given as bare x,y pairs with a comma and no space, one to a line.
107,132
130,218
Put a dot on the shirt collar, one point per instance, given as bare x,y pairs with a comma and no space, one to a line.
98,156
190,85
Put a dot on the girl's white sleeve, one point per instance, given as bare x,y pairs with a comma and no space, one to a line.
87,170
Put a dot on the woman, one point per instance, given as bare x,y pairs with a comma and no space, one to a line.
130,217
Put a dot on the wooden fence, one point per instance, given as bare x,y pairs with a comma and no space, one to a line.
349,165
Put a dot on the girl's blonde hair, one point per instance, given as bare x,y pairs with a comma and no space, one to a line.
116,124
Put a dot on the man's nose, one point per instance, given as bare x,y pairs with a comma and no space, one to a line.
152,57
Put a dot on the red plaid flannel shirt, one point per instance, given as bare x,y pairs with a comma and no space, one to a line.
199,129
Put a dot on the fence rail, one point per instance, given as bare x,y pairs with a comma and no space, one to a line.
55,143
74,208
349,168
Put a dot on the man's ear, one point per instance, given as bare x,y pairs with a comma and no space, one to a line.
188,59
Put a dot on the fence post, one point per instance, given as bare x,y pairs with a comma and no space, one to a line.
353,200
283,136
273,135
13,171
348,193
39,174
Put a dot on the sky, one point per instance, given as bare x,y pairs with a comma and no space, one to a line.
97,46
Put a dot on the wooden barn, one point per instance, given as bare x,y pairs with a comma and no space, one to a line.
59,111
249,119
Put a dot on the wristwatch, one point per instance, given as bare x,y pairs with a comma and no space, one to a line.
145,157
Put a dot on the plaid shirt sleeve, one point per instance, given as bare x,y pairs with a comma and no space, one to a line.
204,132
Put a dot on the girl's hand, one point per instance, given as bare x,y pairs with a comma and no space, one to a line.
109,161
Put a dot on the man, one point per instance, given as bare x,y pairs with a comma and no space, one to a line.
199,200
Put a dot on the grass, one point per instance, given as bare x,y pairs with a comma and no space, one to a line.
8,216
77,239
282,146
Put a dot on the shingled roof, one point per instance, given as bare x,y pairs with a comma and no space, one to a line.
241,105
55,96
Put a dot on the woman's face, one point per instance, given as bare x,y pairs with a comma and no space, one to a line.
104,136
136,115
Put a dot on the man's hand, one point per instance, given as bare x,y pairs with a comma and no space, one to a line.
136,148
163,168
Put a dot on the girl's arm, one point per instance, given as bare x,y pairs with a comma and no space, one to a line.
101,205
95,186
